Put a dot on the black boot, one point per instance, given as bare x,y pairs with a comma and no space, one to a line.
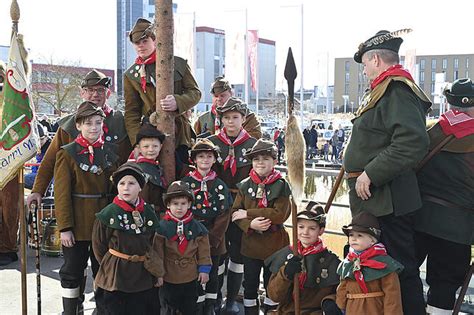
329,307
252,310
234,280
209,308
70,306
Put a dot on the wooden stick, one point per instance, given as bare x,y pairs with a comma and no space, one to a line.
339,179
34,216
165,83
21,206
296,284
463,291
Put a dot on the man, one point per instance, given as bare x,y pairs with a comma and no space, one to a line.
208,124
445,223
140,93
388,140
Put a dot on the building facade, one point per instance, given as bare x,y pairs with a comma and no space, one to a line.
430,73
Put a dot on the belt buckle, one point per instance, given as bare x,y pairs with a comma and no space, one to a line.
134,258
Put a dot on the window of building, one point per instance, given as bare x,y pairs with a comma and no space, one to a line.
456,63
445,63
217,46
422,85
347,66
151,15
346,88
467,62
467,74
456,75
151,2
433,64
422,76
216,68
422,64
432,88
347,77
433,76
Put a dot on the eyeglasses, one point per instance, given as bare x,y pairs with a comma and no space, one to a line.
91,91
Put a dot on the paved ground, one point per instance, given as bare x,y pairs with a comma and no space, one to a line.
10,288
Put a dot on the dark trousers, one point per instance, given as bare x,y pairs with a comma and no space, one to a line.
252,270
180,297
213,284
125,303
446,267
75,262
398,236
233,237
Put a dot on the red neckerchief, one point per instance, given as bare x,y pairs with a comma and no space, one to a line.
217,121
230,159
395,70
314,248
203,180
107,111
142,63
180,237
89,147
140,206
270,179
363,260
459,124
142,159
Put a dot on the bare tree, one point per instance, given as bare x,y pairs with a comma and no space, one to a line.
57,84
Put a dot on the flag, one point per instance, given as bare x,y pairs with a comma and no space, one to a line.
253,57
18,136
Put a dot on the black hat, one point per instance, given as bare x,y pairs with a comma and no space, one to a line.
314,212
461,93
220,85
143,28
95,77
147,130
204,145
129,168
381,40
87,109
233,104
262,147
178,189
363,222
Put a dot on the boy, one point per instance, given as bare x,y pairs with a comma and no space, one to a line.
233,141
123,232
211,208
262,206
149,143
186,252
369,277
317,266
81,189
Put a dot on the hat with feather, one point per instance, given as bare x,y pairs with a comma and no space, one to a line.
381,40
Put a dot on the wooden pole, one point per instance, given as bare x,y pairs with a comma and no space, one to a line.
165,82
23,229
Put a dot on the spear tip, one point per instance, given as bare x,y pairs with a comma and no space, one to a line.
15,11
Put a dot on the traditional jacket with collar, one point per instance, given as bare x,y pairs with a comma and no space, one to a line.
378,281
205,125
81,189
115,228
153,190
139,103
447,189
182,268
320,284
388,140
256,244
216,216
67,132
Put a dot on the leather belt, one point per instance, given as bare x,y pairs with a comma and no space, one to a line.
132,258
92,196
444,202
364,295
349,175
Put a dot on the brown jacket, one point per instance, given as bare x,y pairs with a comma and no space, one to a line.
390,303
73,212
139,103
205,124
255,244
279,289
63,137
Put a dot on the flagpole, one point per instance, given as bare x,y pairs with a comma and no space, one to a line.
246,76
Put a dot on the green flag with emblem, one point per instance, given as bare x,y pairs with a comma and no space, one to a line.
18,135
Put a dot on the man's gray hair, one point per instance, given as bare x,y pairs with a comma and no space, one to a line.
387,56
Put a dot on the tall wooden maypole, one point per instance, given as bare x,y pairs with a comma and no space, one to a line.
165,82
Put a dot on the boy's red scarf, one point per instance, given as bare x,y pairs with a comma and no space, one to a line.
459,124
107,111
230,159
89,147
270,179
395,70
180,236
217,121
140,206
142,63
314,248
363,260
203,180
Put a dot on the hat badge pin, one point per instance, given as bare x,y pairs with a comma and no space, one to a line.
465,100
